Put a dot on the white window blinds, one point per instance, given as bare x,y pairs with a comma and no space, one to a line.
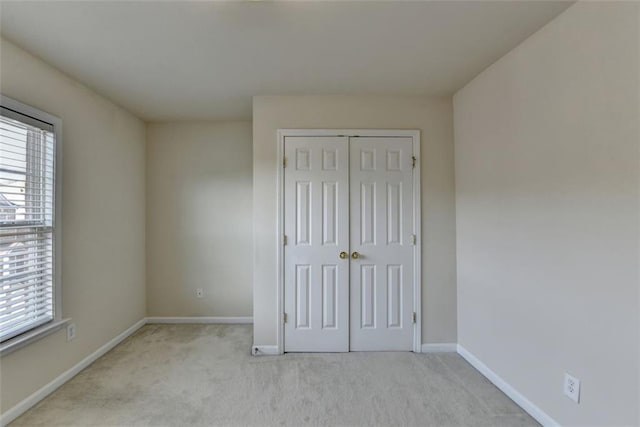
27,162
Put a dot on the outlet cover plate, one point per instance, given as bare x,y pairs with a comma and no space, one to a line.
71,331
572,387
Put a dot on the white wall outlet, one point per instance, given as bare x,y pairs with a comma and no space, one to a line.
572,388
199,292
71,331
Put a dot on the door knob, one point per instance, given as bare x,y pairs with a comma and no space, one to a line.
343,255
355,255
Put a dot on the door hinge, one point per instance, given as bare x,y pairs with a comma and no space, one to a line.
284,317
414,239
284,240
413,163
414,317
284,162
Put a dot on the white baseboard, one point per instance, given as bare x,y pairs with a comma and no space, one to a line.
445,347
265,350
200,319
40,394
533,410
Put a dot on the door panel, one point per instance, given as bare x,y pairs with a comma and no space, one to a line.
394,296
381,197
329,296
316,218
368,296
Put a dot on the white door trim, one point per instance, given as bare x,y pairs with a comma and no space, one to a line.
417,257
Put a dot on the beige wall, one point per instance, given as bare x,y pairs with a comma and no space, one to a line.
433,117
103,218
199,219
547,214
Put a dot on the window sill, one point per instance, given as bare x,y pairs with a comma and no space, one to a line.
28,337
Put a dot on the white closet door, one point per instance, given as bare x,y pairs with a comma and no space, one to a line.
316,279
381,200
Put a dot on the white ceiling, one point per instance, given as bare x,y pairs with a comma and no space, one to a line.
205,60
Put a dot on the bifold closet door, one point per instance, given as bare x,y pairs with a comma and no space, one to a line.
381,228
316,223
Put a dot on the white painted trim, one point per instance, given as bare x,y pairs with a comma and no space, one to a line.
200,320
265,350
31,336
40,394
417,250
444,347
280,243
348,132
533,410
417,280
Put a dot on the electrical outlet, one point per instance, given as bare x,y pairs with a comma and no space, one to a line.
572,388
199,292
71,331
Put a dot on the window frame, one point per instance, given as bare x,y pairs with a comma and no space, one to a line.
58,322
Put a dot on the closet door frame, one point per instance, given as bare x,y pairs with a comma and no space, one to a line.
282,134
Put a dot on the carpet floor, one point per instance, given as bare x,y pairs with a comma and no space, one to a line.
204,375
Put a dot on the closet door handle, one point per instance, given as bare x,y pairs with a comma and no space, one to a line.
343,255
355,255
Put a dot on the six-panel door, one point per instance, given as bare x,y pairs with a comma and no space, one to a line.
341,191
316,223
381,229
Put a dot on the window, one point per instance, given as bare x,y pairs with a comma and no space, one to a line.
28,271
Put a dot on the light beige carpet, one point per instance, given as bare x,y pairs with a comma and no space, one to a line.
181,375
